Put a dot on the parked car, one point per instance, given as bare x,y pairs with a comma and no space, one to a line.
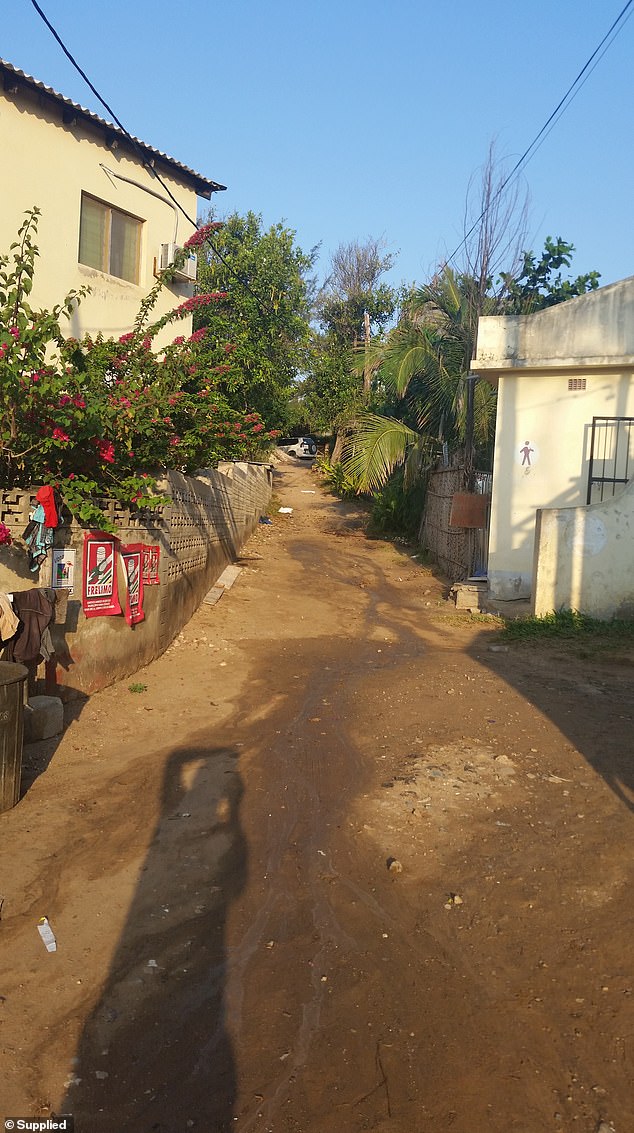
304,448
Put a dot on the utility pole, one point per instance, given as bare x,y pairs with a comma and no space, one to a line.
366,369
468,438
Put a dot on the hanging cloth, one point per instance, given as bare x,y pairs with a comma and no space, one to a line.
8,621
46,497
36,612
38,537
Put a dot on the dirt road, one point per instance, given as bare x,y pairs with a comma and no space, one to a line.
342,866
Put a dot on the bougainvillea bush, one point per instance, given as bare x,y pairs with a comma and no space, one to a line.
105,418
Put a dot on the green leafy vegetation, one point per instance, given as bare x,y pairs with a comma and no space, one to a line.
572,626
539,283
268,319
334,475
102,418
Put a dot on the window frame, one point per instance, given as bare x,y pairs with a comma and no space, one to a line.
111,210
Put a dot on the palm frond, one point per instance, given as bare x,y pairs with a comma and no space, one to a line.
377,446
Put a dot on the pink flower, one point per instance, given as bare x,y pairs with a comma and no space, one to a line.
198,335
198,301
79,402
105,450
71,475
14,332
179,341
175,440
198,238
60,435
257,428
127,337
5,535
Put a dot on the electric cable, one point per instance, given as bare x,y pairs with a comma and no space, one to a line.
137,148
553,118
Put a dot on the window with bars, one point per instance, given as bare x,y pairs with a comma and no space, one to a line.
109,239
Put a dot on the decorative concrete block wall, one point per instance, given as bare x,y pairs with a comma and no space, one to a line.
208,518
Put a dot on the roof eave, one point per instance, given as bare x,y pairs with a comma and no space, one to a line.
13,78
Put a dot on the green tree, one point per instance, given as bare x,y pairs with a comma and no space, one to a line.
330,389
352,298
353,304
539,283
422,367
266,327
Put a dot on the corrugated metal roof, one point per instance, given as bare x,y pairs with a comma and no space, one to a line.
13,77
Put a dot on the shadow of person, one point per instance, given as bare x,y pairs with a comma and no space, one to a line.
155,1054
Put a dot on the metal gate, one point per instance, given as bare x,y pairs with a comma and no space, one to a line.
611,456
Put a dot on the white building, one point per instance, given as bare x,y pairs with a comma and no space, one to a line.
564,437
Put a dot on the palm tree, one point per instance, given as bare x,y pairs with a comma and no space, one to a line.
423,366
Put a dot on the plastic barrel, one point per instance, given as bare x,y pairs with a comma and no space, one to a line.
12,678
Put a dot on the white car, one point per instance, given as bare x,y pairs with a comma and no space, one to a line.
304,448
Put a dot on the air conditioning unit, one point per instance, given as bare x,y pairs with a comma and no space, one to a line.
167,255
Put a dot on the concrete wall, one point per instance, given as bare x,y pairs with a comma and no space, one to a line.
584,557
593,330
50,165
208,519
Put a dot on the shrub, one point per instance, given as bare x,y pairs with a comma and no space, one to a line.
102,417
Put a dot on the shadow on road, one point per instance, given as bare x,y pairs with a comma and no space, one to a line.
155,1053
591,704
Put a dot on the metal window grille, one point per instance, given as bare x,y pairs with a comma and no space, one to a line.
611,456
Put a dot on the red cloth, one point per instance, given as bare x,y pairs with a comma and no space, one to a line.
46,498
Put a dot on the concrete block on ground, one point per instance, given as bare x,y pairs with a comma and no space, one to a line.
214,595
470,596
43,718
228,576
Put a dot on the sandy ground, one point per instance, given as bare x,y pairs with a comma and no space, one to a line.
342,866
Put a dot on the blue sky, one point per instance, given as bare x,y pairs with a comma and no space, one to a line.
363,118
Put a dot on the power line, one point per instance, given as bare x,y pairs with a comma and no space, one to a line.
135,145
552,119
